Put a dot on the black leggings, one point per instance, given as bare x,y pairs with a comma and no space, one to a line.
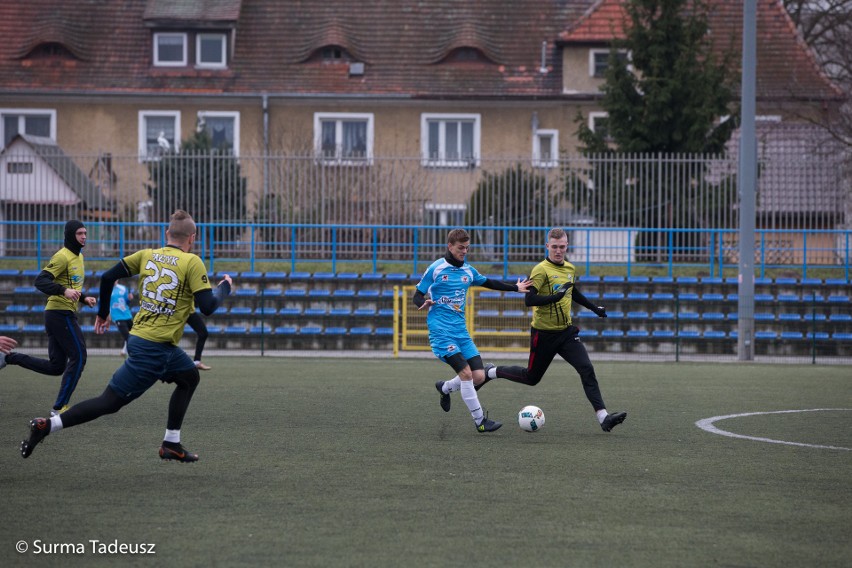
109,402
196,322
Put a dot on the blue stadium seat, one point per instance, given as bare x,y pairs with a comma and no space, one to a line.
712,297
17,308
789,317
662,316
840,336
714,334
590,279
319,293
87,328
788,298
764,298
361,330
24,290
272,292
637,296
613,315
240,311
251,275
33,328
386,312
612,333
234,330
637,279
347,276
686,280
588,333
613,279
688,297
489,294
286,330
30,272
662,333
369,293
290,312
662,296
295,293
301,276
372,277
732,298
815,317
340,312
689,333
765,335
489,313
311,330
637,333
39,308
396,277
734,334
335,330
8,328
275,276
836,282
732,280
838,299
264,329
688,316
343,293
384,331
733,316
591,295
314,312
637,315
213,329
713,316
585,314
811,282
818,335
324,276
8,273
764,316
791,335
762,281
712,280
388,293
610,296
245,292
834,318
514,313
662,280
364,312
786,281
266,311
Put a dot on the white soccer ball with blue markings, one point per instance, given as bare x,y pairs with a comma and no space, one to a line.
531,418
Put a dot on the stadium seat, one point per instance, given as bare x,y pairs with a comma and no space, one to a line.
364,312
591,295
489,313
613,279
714,334
588,333
838,299
637,315
764,298
372,277
213,329
384,331
789,317
314,312
590,279
688,316
815,317
251,275
712,281
324,276
637,333
765,335
840,336
340,312
612,296
662,316
662,297
613,315
386,312
272,292
689,334
361,330
343,293
732,298
662,333
764,316
818,335
490,295
25,290
234,330
240,311
310,330
336,330
637,279
585,314
33,328
347,276
713,316
662,280
637,296
396,277
612,333
295,293
319,293
264,329
39,308
514,313
17,308
9,273
368,293
811,282
762,281
245,292
834,318
30,272
286,330
712,297
8,328
788,298
290,312
687,280
791,335
275,276
783,281
300,276
687,297
266,311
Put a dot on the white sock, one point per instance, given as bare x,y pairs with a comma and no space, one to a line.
452,385
172,436
55,423
491,373
602,413
468,394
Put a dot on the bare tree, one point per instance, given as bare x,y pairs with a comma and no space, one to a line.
826,26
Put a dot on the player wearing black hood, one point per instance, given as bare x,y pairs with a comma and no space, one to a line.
62,281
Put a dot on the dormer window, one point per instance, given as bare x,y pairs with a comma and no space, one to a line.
170,49
210,50
599,61
50,50
466,55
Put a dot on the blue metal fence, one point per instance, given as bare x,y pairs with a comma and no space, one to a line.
500,249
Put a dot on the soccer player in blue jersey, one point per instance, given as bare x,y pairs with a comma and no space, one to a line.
120,314
446,282
172,281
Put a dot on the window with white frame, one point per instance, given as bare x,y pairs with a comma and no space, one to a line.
170,49
223,127
343,138
599,123
159,133
211,50
599,61
35,122
450,140
546,148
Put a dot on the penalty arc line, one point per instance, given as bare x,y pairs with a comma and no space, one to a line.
706,424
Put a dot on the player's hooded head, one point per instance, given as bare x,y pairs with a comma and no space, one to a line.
75,238
181,228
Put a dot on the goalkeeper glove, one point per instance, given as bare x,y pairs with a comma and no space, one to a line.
600,311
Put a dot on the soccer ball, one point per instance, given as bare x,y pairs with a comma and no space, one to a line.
531,418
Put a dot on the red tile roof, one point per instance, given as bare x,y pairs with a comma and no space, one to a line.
406,46
786,67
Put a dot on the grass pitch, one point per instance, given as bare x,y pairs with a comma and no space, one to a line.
352,463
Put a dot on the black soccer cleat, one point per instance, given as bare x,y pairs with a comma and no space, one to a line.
445,398
487,425
172,451
613,420
39,429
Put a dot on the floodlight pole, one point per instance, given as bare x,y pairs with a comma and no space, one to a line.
747,180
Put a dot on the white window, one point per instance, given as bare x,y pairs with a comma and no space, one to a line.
599,61
445,214
211,50
344,138
170,49
223,129
32,121
546,148
599,123
159,133
450,140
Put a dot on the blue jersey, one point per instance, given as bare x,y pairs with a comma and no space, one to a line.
447,285
119,303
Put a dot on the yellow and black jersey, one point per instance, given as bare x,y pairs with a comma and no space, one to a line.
67,270
168,280
547,277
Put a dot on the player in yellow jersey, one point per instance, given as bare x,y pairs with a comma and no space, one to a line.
552,333
62,281
172,281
